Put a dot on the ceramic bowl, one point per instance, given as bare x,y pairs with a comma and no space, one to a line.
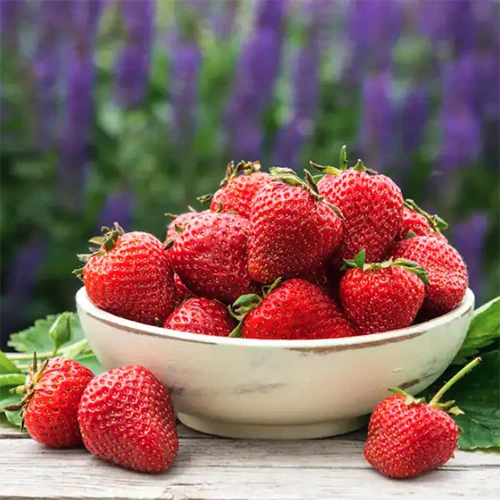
276,388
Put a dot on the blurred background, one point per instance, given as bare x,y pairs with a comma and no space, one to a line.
121,110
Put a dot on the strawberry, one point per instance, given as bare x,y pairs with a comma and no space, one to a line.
382,297
49,409
201,315
446,270
181,290
294,309
239,188
179,222
126,417
129,275
417,222
292,228
210,256
407,436
372,206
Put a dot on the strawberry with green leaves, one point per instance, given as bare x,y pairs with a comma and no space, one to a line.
238,188
292,310
383,296
49,408
293,228
210,256
201,315
129,275
372,206
126,417
179,222
417,222
407,436
447,273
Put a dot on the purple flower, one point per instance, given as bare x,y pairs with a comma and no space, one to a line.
132,68
376,126
468,238
186,65
224,19
118,207
21,281
414,115
257,71
290,141
10,18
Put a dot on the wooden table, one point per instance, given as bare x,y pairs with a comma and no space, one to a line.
224,469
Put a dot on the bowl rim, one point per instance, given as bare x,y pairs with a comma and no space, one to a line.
83,303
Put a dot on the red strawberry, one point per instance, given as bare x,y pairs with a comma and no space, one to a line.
210,256
179,222
295,309
182,291
420,223
382,297
407,437
238,191
201,315
372,206
446,270
50,406
292,228
126,417
129,275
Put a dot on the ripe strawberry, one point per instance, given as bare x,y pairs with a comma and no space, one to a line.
372,206
382,297
181,290
446,270
238,191
179,222
201,315
126,417
292,228
407,436
129,275
294,309
420,223
210,256
50,406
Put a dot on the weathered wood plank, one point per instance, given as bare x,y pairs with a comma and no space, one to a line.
223,469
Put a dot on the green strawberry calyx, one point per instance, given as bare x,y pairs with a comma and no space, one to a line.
359,263
246,303
101,245
448,406
243,167
359,167
290,177
437,224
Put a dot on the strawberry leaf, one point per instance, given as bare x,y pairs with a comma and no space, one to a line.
484,331
7,367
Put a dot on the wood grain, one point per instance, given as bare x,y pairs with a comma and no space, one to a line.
223,469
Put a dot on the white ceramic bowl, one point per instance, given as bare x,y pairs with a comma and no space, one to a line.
275,388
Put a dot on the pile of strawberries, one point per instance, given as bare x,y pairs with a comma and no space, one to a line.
281,257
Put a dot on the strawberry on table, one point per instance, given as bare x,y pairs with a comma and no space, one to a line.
382,297
294,309
210,256
49,409
202,315
239,188
293,228
372,206
447,273
417,222
129,275
126,417
407,436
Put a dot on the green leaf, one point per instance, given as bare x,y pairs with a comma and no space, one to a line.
478,396
8,398
7,366
14,417
484,330
360,259
60,331
10,379
91,362
36,338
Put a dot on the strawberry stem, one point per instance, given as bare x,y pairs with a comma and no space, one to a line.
466,369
